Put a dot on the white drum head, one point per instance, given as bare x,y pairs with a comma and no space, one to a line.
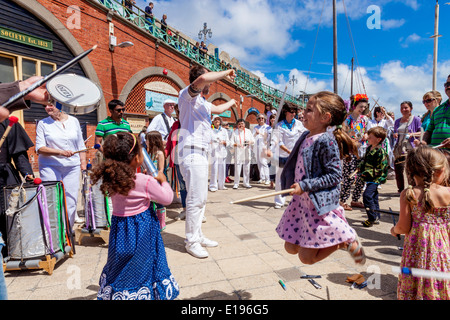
74,94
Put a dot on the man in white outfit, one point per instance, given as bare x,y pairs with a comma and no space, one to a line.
260,133
219,143
193,146
163,122
242,141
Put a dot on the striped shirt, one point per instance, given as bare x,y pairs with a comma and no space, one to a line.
109,126
439,126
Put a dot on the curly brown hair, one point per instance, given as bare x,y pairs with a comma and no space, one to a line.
115,173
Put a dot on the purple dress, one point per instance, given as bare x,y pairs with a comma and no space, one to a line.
300,223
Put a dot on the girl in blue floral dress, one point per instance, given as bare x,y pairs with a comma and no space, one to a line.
136,268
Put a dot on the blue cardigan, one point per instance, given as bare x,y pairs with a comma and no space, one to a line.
323,172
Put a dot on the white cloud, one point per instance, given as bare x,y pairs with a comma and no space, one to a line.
412,38
392,24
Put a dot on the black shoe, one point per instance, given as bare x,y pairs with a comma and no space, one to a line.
370,223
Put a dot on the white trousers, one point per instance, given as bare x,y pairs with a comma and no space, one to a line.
70,176
263,168
279,200
217,178
246,173
194,169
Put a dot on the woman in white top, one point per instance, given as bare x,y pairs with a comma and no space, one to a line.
57,138
242,141
284,136
261,133
219,142
382,119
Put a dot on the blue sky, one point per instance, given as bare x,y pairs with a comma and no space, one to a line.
276,40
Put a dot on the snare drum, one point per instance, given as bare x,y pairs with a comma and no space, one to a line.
74,94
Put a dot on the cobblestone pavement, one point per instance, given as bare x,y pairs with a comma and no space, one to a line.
248,263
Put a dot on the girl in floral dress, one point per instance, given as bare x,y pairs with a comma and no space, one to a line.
425,221
356,125
314,225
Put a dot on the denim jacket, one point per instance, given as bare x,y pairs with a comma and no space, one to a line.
323,172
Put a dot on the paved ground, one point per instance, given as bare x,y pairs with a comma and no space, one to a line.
247,265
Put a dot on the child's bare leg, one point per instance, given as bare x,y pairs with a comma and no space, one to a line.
311,256
291,248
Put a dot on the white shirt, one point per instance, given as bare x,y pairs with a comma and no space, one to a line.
242,152
261,137
159,125
195,120
62,136
282,136
217,148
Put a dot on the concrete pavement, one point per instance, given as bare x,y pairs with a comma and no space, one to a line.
247,265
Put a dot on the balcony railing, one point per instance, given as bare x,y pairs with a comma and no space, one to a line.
171,36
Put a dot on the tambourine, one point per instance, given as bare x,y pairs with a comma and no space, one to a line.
74,94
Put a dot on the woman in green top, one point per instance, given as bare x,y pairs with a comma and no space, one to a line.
431,100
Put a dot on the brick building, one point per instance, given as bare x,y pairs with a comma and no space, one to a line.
38,36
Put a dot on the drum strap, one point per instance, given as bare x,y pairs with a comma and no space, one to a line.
42,201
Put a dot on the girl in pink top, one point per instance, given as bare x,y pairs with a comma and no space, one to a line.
137,266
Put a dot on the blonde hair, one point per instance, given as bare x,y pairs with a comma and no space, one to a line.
433,94
424,161
328,102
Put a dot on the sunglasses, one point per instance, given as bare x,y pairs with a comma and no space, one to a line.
447,84
428,101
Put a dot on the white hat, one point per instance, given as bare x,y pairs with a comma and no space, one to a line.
169,101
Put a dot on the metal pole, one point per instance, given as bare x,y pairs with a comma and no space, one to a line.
436,37
335,47
351,84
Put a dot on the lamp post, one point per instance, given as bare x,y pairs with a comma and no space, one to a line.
204,32
293,81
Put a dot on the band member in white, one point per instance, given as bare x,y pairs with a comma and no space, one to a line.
261,133
242,141
286,133
219,143
193,146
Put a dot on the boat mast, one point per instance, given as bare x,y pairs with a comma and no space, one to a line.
436,37
335,47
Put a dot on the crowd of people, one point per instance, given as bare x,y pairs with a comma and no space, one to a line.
318,152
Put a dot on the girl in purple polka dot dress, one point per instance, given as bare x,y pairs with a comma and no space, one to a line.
314,225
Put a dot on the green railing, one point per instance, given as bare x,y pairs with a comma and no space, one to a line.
171,36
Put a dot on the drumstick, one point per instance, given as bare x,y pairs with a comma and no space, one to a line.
97,146
39,83
436,147
422,273
354,173
12,121
264,196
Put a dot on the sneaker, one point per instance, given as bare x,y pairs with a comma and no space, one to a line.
261,181
204,219
227,180
208,243
369,223
235,187
267,183
212,189
223,188
277,206
196,250
182,215
247,186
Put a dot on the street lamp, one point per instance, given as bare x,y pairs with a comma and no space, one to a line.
113,43
204,32
293,81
